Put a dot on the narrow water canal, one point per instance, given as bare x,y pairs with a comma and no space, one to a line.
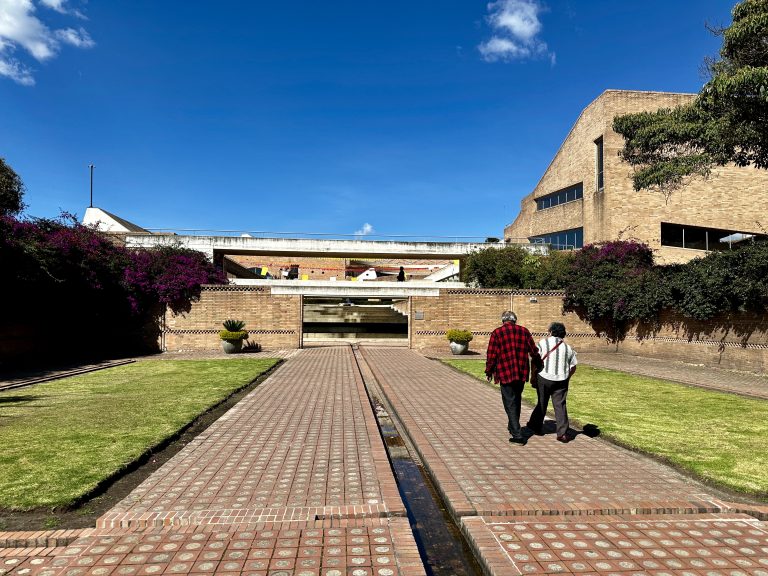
442,547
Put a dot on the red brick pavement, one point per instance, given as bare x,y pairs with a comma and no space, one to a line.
294,480
686,545
492,487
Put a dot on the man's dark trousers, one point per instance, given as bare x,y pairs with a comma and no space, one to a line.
557,390
511,395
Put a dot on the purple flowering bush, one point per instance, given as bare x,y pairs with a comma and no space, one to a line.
68,279
613,284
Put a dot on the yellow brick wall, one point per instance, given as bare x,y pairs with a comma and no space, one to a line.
738,342
480,312
733,342
272,321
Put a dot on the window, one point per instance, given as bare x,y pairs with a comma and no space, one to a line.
712,239
599,181
570,194
564,240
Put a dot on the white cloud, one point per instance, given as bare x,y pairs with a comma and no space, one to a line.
516,26
61,7
365,230
78,38
21,28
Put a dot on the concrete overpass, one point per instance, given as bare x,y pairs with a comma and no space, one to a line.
237,245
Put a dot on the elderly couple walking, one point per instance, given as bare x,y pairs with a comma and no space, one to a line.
509,349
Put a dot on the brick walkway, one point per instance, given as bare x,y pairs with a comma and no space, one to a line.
526,509
294,480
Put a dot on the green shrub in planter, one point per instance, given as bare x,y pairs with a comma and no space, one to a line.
459,336
232,336
238,335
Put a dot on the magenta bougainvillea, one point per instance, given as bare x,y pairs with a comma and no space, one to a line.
169,276
60,273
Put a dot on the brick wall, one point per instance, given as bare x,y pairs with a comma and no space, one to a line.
736,342
272,321
480,312
315,268
731,198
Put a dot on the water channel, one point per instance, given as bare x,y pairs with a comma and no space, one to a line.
442,547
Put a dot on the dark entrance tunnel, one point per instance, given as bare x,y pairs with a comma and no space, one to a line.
355,318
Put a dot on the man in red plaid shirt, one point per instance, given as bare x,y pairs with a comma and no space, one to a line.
507,361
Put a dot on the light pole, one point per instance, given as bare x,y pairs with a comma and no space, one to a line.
91,166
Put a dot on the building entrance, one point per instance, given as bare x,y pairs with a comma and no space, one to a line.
355,318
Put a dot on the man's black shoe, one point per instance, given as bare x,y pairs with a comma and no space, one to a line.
564,439
520,441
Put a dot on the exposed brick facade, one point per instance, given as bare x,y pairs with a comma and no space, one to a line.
315,268
732,198
272,321
734,342
480,312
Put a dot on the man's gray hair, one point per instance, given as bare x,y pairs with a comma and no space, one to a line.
509,316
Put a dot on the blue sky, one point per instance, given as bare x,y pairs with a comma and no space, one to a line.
415,117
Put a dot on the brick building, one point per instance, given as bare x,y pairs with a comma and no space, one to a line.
586,194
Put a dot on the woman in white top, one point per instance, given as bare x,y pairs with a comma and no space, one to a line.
559,364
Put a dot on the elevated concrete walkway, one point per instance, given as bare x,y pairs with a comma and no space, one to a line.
312,247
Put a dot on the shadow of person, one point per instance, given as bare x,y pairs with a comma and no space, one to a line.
591,430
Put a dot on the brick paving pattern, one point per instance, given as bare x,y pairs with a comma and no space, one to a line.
686,545
518,504
293,480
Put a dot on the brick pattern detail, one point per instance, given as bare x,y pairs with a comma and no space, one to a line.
272,321
315,268
731,198
737,342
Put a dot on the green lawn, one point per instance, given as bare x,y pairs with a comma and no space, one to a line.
719,437
59,439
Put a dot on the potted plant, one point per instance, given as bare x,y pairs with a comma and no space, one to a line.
232,336
459,340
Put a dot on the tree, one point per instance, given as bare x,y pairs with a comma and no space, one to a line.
11,190
496,267
726,123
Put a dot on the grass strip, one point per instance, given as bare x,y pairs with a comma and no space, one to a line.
718,437
60,439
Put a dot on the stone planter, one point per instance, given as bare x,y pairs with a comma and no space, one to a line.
459,347
231,346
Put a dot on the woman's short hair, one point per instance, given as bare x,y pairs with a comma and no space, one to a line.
557,329
509,316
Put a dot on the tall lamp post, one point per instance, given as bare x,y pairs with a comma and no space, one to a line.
91,166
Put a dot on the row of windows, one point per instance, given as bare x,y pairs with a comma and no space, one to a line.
712,239
569,194
565,240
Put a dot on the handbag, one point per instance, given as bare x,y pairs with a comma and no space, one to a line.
536,368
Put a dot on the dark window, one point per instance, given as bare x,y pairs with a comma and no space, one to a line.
569,194
599,163
712,239
563,240
695,238
671,235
